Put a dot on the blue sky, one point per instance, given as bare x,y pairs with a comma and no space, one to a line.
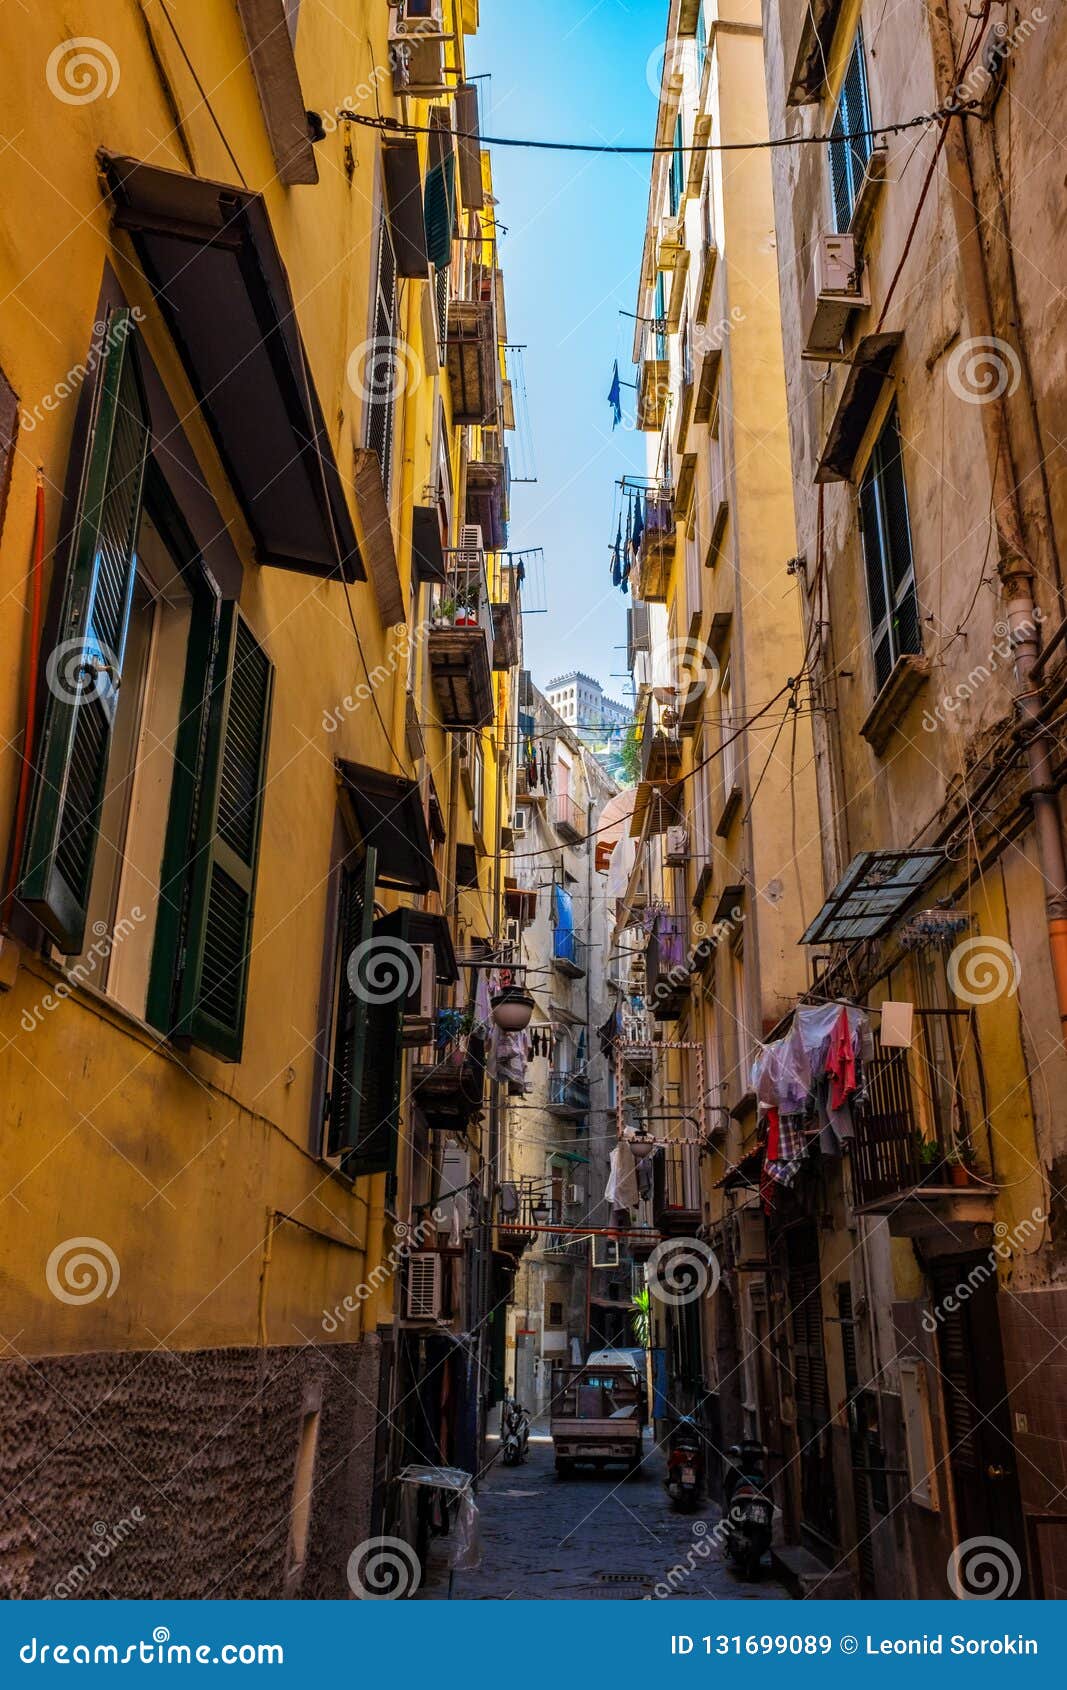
571,257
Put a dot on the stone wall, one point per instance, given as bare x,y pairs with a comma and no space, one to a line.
170,1474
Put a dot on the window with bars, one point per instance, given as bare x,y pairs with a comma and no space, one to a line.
850,137
385,356
887,553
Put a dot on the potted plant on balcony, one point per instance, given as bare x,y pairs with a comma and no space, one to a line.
930,1160
960,1163
466,607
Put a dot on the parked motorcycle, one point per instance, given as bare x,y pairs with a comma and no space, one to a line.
748,1512
514,1432
685,1465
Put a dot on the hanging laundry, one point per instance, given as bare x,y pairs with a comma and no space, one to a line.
615,398
627,551
621,1190
639,522
841,1062
616,556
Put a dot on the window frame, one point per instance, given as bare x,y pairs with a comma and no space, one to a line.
873,483
847,160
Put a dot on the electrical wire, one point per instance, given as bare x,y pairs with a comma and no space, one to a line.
393,126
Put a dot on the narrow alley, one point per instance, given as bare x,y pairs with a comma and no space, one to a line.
593,1536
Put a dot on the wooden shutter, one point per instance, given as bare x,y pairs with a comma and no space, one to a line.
840,182
83,669
375,1146
214,981
439,209
355,920
858,113
382,382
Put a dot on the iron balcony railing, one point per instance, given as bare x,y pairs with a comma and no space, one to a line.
462,600
568,1090
568,817
923,1105
567,947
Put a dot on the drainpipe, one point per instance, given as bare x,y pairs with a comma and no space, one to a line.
1014,565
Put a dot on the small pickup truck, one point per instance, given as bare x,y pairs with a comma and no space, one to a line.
597,1415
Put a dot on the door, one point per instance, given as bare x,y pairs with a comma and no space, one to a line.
981,1452
817,1498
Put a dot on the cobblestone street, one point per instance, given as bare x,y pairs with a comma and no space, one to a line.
597,1536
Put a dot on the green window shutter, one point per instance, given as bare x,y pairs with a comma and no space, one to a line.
439,210
214,981
84,667
355,921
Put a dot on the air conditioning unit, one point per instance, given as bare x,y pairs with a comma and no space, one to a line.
751,1239
421,999
836,287
423,1301
513,932
677,846
470,552
671,242
576,1195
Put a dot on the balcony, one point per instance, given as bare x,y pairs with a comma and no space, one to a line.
676,1200
448,1085
653,389
661,748
656,556
568,818
489,492
473,356
570,955
914,1156
460,640
668,965
568,1094
506,613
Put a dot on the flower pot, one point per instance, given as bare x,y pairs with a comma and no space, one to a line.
959,1174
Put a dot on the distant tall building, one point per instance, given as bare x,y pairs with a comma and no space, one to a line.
600,722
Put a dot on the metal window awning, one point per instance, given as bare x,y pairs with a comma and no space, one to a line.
422,927
569,1156
209,254
388,814
403,197
427,546
855,408
876,889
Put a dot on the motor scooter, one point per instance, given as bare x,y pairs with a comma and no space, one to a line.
514,1432
685,1465
748,1511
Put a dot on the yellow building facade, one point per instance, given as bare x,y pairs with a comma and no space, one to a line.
262,646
